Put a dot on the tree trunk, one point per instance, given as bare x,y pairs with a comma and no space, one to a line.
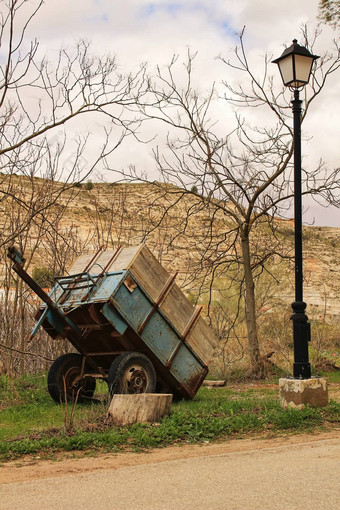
21,330
250,309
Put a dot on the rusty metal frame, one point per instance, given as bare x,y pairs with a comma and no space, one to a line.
114,256
68,290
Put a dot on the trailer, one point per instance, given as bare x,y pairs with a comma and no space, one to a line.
129,322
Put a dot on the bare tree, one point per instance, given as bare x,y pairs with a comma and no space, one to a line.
43,156
39,99
242,179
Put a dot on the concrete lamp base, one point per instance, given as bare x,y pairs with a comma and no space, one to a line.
297,393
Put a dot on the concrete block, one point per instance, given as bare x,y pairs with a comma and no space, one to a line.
139,408
297,393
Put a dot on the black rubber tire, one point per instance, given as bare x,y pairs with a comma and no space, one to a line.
131,372
68,366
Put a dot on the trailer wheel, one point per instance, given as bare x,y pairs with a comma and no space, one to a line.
130,373
67,368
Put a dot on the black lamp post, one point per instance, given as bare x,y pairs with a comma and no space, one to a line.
295,66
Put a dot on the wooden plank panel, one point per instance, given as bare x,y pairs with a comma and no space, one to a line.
177,308
80,264
125,258
202,340
101,262
149,273
121,262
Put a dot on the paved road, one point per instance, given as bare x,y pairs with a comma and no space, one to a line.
265,475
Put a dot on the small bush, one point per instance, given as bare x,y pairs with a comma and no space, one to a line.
43,276
89,185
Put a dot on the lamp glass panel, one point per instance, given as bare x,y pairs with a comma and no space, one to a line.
286,69
303,66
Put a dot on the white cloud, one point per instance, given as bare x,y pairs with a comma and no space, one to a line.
141,30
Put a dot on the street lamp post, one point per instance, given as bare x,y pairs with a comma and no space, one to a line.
295,65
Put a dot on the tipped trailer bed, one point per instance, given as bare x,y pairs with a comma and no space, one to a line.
130,323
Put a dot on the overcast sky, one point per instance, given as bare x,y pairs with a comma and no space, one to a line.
139,30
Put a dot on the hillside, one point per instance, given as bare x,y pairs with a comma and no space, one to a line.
91,215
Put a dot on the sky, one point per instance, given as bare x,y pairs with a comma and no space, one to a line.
152,31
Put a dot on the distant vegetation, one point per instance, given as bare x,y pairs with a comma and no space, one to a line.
43,277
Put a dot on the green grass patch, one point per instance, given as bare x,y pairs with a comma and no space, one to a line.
31,423
332,377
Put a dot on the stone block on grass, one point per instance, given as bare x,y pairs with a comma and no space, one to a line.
139,408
